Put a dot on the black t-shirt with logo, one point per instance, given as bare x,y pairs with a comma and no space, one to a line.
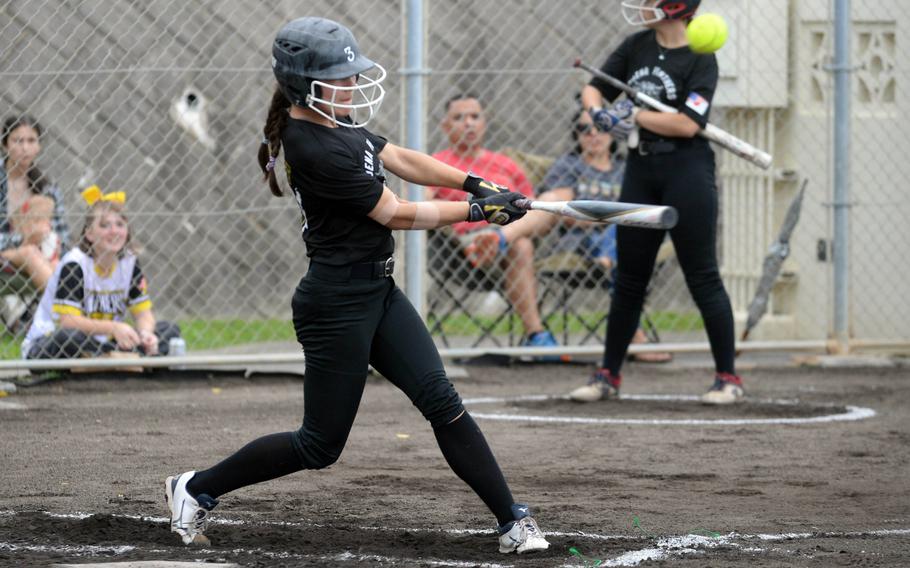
678,77
337,178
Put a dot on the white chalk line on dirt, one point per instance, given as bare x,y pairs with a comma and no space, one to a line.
81,550
90,550
665,548
5,405
294,524
852,413
696,544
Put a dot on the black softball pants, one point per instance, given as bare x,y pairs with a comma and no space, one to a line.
344,325
684,179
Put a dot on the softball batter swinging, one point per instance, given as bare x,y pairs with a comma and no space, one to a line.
347,311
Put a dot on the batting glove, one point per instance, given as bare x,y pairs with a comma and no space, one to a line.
623,130
607,119
479,187
499,209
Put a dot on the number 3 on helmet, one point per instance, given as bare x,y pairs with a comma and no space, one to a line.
643,12
309,51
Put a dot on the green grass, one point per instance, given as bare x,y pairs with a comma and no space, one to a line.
200,334
214,334
9,347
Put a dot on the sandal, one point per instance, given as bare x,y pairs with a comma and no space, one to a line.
651,357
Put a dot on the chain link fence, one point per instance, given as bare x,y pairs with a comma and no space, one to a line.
165,100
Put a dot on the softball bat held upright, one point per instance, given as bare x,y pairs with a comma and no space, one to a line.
628,214
739,147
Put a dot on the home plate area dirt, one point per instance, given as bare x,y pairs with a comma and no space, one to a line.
811,470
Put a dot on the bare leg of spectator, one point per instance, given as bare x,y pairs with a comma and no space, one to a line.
520,284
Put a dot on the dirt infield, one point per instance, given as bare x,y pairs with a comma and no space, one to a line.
811,471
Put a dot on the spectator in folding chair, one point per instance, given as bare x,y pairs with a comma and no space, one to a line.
465,126
591,170
33,226
83,311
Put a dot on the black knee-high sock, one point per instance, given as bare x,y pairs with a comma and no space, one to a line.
262,459
468,454
621,325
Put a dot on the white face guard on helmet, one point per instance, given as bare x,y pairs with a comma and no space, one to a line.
367,95
642,12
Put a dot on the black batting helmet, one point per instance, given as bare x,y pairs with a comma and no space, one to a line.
309,50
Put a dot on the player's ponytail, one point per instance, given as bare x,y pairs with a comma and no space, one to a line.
271,146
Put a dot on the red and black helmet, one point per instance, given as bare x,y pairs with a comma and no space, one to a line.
640,12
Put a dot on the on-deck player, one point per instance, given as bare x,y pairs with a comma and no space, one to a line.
348,312
669,166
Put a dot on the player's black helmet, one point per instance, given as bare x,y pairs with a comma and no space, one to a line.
639,12
308,51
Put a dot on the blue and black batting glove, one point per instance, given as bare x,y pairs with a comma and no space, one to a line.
607,118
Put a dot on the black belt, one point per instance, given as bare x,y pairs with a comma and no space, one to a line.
646,147
361,270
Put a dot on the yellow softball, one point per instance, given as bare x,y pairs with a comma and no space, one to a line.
707,33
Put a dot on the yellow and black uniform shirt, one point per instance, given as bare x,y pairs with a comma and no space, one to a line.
79,287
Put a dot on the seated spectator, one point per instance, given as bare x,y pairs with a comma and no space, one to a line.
465,126
592,170
33,224
21,181
84,307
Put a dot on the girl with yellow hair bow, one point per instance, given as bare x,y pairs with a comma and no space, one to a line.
97,302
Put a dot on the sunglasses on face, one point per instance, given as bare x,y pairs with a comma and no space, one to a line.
582,128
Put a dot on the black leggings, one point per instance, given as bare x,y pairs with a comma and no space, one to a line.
684,179
345,324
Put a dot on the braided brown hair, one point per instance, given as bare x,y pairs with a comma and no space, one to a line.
271,143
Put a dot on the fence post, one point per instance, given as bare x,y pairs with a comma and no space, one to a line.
841,125
415,241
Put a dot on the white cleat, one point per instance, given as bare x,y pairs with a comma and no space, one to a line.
189,515
521,535
724,392
601,386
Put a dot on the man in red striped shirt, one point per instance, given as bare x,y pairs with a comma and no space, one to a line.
465,126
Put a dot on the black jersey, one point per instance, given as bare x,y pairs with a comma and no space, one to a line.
678,77
337,178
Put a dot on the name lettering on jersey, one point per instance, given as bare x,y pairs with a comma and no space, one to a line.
368,164
304,224
99,302
654,81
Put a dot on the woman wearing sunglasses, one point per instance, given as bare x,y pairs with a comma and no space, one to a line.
592,169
